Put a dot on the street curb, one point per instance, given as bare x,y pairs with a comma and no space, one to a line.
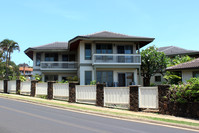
133,119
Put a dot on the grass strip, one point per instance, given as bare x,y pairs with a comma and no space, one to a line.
44,101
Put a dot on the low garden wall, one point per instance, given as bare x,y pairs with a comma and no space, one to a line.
190,110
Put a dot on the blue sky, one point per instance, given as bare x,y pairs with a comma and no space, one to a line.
37,22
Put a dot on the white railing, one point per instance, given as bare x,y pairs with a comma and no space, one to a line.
117,59
58,65
41,88
25,87
12,86
60,90
116,97
86,94
1,86
148,97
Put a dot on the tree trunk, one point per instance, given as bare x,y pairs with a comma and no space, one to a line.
146,81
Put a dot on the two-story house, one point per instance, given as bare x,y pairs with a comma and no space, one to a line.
106,57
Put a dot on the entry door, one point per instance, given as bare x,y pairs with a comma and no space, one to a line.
121,79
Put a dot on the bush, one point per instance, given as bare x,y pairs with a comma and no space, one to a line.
184,93
22,78
93,82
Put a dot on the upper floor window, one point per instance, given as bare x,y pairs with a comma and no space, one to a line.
104,49
87,51
125,49
38,59
51,57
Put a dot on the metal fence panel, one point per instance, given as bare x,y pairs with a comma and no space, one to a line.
148,97
1,86
41,88
25,87
86,94
60,90
12,86
116,97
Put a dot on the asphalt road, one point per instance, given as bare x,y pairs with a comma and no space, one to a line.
20,117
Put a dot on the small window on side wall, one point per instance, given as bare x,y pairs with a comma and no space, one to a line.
157,78
87,51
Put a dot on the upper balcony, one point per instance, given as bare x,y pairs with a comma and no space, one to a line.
58,65
116,59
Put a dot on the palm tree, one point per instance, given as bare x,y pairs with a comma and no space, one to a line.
8,46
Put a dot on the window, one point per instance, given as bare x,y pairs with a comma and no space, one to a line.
38,59
88,77
87,51
105,77
125,49
51,57
51,78
157,78
104,48
196,74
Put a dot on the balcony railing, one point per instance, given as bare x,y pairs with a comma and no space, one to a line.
58,65
117,59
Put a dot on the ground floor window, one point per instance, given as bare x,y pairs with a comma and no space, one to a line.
51,78
105,77
88,77
157,78
196,74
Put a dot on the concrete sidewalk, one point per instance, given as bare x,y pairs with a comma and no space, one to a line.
102,110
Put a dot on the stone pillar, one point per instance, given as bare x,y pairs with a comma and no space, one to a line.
100,95
50,89
134,98
72,92
5,83
162,100
18,86
33,87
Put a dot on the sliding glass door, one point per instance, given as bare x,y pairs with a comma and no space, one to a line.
105,77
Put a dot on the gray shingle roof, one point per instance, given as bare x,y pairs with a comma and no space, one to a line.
194,64
108,34
54,45
173,50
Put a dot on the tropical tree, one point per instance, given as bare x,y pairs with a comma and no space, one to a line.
8,46
152,62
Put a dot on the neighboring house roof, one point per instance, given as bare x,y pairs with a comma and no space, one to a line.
110,36
26,69
194,64
49,46
173,50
